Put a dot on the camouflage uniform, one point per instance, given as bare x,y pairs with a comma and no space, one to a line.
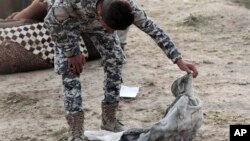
123,34
66,17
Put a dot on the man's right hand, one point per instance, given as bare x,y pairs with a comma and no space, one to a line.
75,63
189,68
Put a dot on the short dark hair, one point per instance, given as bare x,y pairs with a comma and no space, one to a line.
117,14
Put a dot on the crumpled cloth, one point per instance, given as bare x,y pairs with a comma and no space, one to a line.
181,122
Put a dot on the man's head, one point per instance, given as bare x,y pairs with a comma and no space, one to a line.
116,14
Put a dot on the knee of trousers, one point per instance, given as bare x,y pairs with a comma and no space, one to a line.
71,82
115,61
60,64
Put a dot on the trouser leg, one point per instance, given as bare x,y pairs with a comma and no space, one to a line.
113,57
73,106
72,97
72,93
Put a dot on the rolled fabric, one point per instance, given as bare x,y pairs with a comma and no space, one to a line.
15,58
26,45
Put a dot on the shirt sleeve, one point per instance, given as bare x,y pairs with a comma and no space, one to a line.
155,32
64,26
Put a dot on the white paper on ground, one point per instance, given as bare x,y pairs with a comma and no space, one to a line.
129,92
103,135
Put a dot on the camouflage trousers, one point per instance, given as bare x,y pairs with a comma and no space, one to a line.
113,58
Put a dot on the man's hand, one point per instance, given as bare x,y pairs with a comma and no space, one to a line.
75,63
189,68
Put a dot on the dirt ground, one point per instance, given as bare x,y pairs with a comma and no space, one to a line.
213,34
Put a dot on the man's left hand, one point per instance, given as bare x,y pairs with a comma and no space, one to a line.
189,68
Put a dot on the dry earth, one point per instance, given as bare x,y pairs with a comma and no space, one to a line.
213,34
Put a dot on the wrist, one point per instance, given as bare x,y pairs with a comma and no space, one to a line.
72,52
178,60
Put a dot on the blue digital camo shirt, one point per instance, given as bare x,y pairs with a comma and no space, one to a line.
66,17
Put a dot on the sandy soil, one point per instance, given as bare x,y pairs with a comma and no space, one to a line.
213,34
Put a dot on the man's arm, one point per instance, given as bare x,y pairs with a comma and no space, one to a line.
64,26
155,32
161,38
35,8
